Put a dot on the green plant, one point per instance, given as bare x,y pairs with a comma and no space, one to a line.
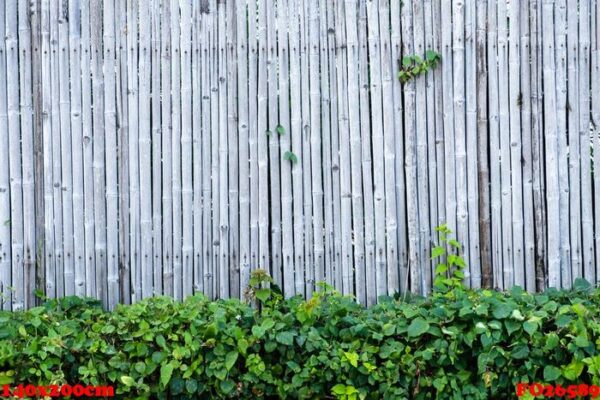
288,155
413,65
456,344
449,270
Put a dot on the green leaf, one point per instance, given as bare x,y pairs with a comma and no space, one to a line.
286,338
263,294
258,331
160,340
230,359
520,352
288,155
352,358
418,327
166,370
502,311
437,251
227,386
127,380
573,370
280,130
406,61
339,389
530,327
551,373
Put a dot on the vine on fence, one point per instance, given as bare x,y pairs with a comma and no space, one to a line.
413,66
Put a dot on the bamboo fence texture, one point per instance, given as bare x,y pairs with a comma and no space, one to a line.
174,146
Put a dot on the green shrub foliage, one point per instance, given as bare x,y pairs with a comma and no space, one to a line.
455,344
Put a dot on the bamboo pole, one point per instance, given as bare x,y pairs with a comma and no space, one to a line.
88,157
66,151
378,148
26,61
551,146
197,159
471,143
527,154
5,209
15,159
370,278
388,78
483,167
166,147
156,145
257,139
123,157
185,145
112,182
587,222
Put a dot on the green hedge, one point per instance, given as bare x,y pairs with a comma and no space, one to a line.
457,344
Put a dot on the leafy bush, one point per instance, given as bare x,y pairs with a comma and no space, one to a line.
457,344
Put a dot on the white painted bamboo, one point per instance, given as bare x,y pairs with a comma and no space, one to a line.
185,52
587,222
110,124
334,154
425,232
232,150
268,170
458,69
448,111
205,23
214,119
536,144
14,142
256,26
474,266
295,134
366,155
66,151
483,168
197,160
560,29
257,157
347,283
505,164
30,247
388,78
416,280
396,49
55,149
5,209
315,143
494,148
145,148
595,117
224,273
166,148
123,150
551,145
574,153
176,132
88,156
528,244
515,183
77,146
439,118
156,143
287,255
326,73
247,138
308,260
378,148
99,164
418,143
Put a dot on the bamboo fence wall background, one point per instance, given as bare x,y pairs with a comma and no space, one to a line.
143,145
